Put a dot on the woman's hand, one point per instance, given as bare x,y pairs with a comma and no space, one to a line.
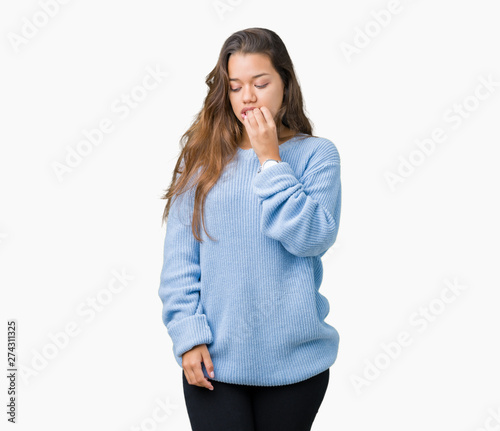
261,130
191,363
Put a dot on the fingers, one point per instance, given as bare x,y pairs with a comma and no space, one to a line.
249,122
260,118
263,117
195,376
208,362
256,118
194,372
190,377
201,380
267,116
261,129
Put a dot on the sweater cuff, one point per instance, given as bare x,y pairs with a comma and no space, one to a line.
274,179
189,332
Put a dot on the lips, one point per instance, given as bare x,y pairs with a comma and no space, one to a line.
245,110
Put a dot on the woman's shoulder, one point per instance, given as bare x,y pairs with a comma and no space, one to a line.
319,148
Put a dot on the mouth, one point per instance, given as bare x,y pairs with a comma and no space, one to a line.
245,110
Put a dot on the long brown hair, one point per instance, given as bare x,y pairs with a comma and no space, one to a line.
212,140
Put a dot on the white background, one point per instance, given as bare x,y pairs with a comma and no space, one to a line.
399,247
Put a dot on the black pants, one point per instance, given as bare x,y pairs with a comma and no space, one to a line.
231,407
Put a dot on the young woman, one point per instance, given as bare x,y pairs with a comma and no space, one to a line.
240,297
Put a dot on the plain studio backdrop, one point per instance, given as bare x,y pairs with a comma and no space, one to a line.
95,96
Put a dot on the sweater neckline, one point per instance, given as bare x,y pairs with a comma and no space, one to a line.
250,152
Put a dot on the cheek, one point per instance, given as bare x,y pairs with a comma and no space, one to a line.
275,99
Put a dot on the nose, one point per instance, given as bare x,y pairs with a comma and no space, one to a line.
248,94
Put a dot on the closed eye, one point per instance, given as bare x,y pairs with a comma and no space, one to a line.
258,86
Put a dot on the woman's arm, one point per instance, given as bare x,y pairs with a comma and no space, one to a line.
180,280
302,214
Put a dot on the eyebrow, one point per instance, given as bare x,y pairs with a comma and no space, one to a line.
253,77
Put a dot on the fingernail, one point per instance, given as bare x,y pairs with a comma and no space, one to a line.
211,374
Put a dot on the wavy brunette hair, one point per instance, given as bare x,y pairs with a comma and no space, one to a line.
212,140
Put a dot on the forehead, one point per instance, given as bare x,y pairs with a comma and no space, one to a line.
246,66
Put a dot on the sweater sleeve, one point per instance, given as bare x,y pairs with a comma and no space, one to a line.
180,283
303,214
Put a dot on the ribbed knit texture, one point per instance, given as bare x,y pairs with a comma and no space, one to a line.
252,296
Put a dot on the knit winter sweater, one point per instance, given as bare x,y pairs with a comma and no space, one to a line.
252,295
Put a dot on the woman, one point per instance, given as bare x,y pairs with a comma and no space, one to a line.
240,298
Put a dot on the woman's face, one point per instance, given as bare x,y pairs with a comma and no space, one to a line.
249,89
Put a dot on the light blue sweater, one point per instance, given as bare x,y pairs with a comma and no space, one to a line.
252,296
